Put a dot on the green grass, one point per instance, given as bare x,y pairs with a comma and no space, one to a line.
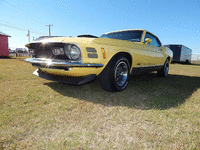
152,113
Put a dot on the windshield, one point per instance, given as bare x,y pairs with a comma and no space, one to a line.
134,36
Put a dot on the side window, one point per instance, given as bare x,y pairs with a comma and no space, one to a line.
148,36
155,41
158,42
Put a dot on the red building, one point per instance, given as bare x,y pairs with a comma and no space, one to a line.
4,51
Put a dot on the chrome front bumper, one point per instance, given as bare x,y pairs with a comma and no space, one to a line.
58,64
62,70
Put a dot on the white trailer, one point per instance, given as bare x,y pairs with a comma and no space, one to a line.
181,53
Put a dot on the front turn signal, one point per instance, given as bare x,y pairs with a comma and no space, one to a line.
104,53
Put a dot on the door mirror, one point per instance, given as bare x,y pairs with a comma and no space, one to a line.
148,40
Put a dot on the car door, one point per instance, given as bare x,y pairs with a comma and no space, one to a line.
140,51
155,51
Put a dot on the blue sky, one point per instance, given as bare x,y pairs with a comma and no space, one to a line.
173,21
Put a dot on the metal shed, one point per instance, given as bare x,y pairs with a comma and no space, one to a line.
4,51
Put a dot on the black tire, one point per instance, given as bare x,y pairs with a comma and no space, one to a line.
187,61
165,69
115,75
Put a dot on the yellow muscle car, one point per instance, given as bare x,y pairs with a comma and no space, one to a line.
112,57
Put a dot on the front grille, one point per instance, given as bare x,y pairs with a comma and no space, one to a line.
41,50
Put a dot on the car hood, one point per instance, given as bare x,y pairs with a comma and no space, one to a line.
81,40
62,40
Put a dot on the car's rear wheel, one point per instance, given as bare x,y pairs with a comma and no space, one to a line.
165,69
116,74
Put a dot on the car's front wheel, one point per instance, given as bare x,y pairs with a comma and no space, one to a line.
165,69
116,74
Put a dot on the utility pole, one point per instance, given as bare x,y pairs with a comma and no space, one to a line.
28,36
49,29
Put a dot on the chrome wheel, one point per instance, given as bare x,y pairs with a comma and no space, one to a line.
121,73
115,75
163,72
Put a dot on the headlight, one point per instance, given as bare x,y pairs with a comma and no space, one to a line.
58,51
31,52
73,52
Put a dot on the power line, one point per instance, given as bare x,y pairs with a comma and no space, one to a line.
19,28
11,26
18,8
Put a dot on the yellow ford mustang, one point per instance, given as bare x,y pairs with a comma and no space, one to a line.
112,57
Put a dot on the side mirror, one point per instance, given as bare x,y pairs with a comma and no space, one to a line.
148,40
